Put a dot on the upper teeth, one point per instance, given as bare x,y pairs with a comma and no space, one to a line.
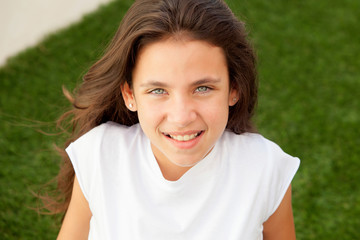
184,137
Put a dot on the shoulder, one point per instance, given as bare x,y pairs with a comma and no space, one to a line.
100,149
109,132
259,155
107,140
111,128
263,164
251,143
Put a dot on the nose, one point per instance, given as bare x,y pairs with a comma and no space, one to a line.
181,111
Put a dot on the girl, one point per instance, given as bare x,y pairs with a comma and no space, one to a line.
163,146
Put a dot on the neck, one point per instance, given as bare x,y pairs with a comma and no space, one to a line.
172,172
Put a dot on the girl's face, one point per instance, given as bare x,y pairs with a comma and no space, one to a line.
182,96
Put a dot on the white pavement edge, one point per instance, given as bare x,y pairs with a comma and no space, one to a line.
24,23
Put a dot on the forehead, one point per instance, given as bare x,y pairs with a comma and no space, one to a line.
178,60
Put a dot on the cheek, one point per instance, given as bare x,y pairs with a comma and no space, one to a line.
216,113
149,114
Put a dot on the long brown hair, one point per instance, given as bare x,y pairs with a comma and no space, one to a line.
98,99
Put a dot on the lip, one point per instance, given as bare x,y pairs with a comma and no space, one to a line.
183,133
184,144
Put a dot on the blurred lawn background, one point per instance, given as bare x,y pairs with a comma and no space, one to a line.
308,103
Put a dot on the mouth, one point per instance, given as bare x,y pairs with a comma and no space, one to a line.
183,137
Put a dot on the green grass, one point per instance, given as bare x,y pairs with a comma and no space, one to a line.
309,104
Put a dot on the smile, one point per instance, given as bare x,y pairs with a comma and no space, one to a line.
184,138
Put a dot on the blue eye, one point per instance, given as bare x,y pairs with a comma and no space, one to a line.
158,91
202,89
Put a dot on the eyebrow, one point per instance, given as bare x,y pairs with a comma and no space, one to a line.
153,83
204,81
207,80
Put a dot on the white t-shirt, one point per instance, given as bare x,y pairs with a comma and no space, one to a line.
227,195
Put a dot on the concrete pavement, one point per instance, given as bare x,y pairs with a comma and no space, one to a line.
23,23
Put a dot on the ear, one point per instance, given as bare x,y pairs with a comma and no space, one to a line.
233,97
128,96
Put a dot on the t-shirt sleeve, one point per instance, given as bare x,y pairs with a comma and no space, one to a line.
283,168
83,154
81,170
